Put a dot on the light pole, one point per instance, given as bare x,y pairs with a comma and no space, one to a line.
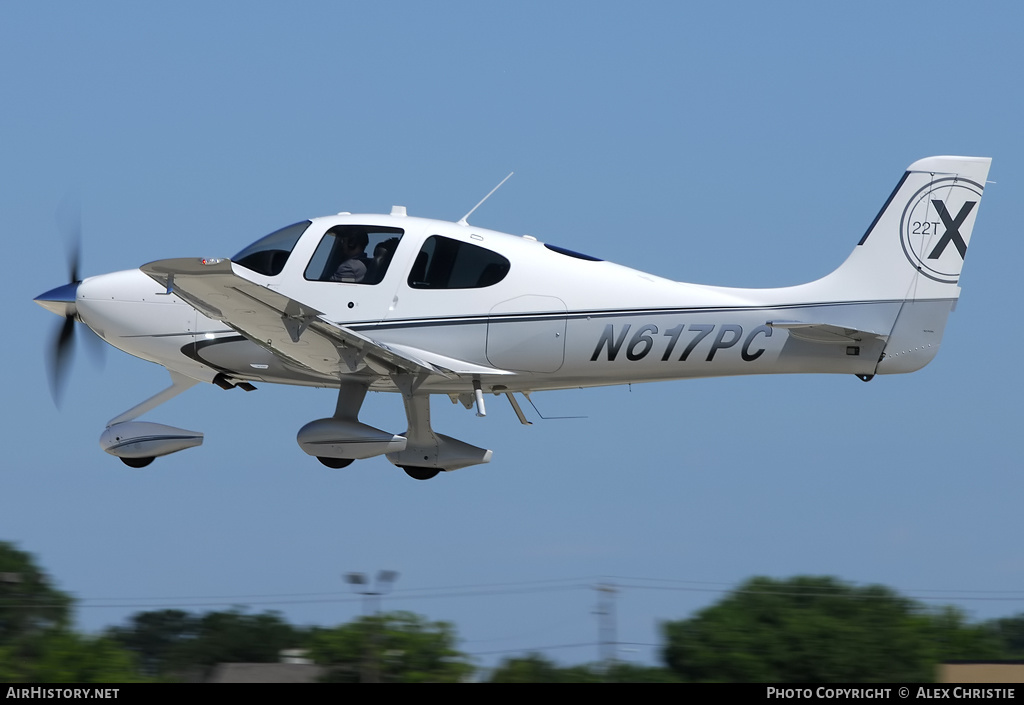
606,625
360,583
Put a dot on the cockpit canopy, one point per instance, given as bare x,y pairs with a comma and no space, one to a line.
362,254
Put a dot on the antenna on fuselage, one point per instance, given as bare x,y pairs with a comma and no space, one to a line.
463,220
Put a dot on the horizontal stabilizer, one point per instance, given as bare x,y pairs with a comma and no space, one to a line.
825,332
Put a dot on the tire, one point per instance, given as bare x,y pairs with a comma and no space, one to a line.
418,473
335,463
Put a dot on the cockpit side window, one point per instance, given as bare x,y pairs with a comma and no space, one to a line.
443,263
354,254
268,254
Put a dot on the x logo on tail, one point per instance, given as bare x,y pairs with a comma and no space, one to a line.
952,233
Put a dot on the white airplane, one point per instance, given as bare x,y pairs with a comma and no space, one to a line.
394,303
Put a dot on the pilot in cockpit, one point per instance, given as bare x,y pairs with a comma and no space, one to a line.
353,267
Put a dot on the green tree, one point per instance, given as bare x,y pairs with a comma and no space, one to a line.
1009,632
66,657
818,629
403,647
536,668
29,604
156,638
36,642
236,637
952,638
632,673
174,643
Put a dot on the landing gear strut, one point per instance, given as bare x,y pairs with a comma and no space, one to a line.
426,453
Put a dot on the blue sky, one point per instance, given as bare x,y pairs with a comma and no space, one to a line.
742,144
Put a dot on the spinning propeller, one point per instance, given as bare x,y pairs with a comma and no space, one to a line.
62,301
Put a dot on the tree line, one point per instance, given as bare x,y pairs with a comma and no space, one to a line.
805,629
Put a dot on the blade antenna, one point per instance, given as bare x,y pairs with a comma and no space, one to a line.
464,219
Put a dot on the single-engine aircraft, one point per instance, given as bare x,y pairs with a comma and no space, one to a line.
395,303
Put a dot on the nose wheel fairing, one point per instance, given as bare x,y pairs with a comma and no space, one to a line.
137,443
142,441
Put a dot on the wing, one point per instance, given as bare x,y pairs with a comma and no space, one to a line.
298,334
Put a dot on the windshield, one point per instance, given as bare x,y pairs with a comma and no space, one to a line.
268,254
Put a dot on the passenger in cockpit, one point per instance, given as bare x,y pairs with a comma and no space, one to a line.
377,267
353,267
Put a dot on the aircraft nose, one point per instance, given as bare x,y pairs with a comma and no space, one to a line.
61,300
120,303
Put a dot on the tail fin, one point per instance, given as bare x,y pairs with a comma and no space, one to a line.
915,248
909,260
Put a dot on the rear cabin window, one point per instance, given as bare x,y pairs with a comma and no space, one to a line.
572,253
354,254
443,263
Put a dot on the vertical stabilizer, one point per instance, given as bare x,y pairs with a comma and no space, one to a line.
916,246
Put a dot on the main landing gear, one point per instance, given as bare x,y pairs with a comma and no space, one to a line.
336,442
420,452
